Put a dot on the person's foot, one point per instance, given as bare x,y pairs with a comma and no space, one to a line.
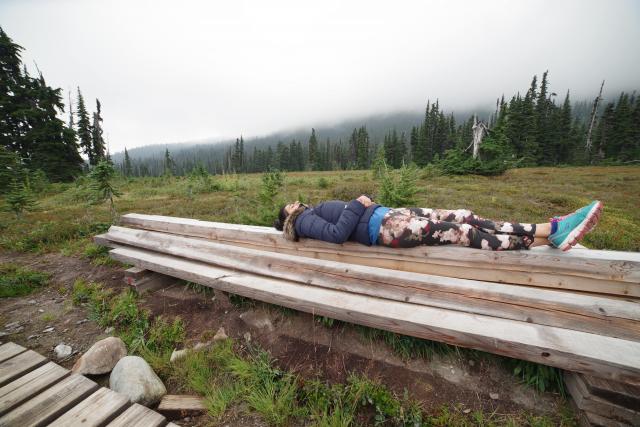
572,228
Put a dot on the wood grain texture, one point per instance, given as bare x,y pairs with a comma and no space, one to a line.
610,272
50,404
586,313
593,404
97,409
622,394
21,389
9,350
19,365
138,416
181,403
573,350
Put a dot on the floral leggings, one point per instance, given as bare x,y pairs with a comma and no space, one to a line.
409,227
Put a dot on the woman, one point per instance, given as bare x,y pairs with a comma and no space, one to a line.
368,223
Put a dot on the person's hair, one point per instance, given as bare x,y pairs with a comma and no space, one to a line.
282,216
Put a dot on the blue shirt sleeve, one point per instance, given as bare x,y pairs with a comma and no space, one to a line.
315,227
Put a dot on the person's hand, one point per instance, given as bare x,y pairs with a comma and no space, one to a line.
366,202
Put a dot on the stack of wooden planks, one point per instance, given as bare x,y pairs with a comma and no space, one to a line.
578,310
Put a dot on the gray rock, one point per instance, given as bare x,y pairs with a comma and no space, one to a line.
220,335
494,396
12,325
62,351
48,329
134,378
101,357
109,330
257,319
247,336
178,354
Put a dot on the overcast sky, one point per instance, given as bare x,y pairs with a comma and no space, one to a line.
169,71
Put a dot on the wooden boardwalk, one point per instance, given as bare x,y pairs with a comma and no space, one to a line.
37,392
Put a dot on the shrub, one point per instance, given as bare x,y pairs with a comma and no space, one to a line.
17,281
323,182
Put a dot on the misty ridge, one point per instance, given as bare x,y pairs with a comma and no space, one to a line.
336,143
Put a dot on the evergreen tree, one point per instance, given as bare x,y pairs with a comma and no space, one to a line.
98,146
84,130
127,168
168,163
19,199
101,178
10,169
362,148
313,151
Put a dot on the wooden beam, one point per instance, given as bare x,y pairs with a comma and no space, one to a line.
572,350
586,313
9,350
138,416
596,405
97,409
19,365
51,403
176,406
18,391
616,273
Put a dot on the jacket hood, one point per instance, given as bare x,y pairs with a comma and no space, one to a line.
289,227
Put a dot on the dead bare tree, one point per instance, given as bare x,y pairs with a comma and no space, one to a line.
480,129
593,118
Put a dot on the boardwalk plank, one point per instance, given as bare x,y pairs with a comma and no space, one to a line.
9,350
21,389
138,416
19,365
95,410
50,404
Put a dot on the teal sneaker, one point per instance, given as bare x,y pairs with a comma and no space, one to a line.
572,228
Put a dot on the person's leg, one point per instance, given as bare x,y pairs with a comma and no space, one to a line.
401,228
465,216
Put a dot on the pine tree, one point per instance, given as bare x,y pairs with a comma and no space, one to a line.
19,199
127,168
362,147
313,151
101,178
84,130
98,146
168,163
10,169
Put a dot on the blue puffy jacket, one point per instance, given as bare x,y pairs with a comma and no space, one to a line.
336,221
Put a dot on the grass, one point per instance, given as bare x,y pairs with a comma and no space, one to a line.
17,281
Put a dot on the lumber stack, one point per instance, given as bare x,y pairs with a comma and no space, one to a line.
579,311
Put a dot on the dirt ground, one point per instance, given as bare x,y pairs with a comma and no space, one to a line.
296,340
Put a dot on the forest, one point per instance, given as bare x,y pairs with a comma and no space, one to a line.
534,129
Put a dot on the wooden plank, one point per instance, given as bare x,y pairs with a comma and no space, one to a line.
622,394
18,391
586,313
151,282
51,403
10,349
138,416
573,350
593,404
598,420
19,365
179,406
96,410
610,272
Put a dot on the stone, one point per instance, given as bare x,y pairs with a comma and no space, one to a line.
178,354
201,345
101,357
62,351
134,378
80,322
220,335
12,325
257,320
494,396
109,330
48,329
247,336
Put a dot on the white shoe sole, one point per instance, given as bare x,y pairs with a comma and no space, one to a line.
583,228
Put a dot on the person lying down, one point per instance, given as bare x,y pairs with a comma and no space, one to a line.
366,222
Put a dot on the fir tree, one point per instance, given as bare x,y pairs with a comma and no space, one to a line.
127,168
19,199
101,178
168,163
84,130
313,151
98,147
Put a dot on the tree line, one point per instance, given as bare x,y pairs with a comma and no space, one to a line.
34,140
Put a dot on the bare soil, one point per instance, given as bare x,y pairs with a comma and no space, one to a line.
296,340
